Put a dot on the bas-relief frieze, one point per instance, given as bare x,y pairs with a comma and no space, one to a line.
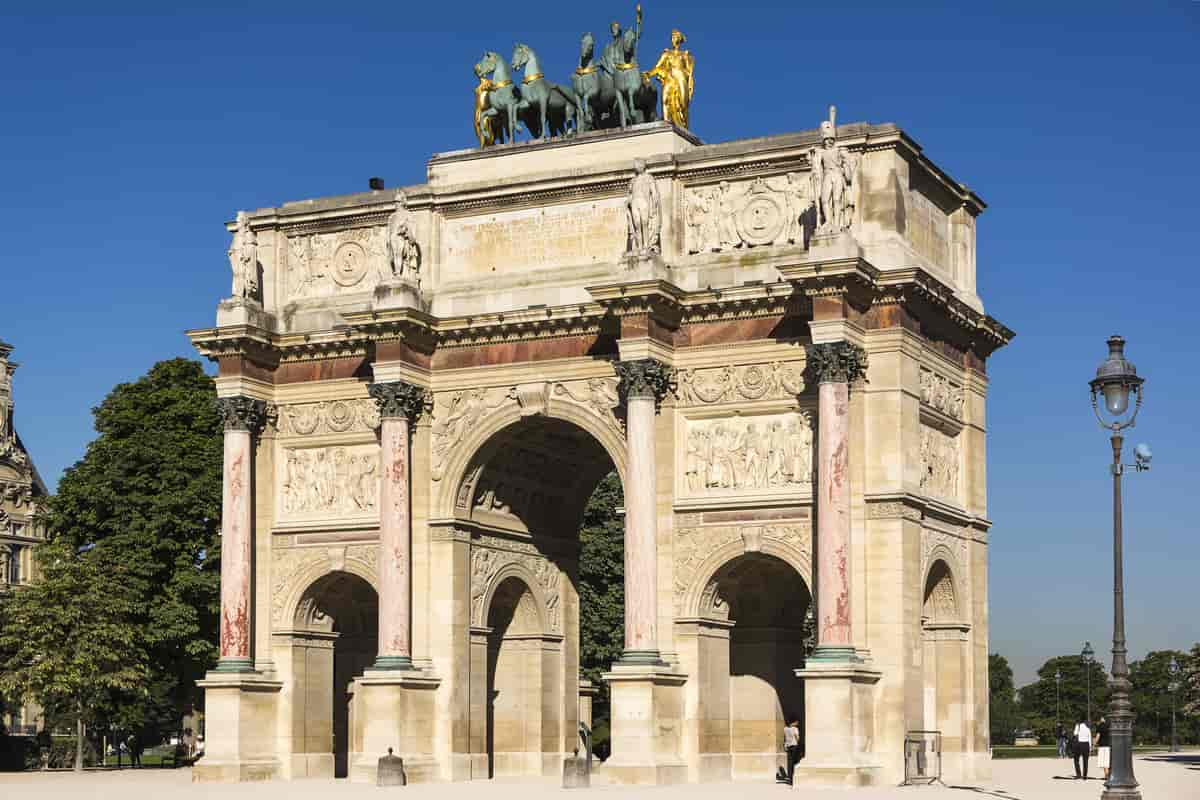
531,239
323,482
489,555
288,565
714,385
940,464
941,394
337,416
936,544
760,452
764,211
695,543
325,264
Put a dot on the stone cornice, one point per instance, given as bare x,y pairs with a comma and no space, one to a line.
918,508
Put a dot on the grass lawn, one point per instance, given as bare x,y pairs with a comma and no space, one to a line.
1050,751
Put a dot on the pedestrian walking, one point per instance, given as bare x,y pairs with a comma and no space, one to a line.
1060,736
791,743
1103,747
1082,741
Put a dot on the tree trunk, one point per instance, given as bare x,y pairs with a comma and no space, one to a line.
79,740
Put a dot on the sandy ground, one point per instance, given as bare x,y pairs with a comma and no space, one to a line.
1163,776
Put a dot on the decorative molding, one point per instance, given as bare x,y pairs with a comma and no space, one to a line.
735,384
459,413
893,509
333,416
696,546
295,565
837,362
398,399
241,413
489,556
599,396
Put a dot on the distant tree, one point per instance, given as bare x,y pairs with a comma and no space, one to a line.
1038,699
1151,695
67,642
1190,691
601,589
149,489
1002,700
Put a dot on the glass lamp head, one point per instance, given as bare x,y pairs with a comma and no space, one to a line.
1116,379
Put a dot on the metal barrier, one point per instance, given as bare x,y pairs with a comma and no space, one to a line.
922,758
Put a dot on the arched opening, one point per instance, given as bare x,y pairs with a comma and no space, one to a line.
944,665
749,639
334,638
522,497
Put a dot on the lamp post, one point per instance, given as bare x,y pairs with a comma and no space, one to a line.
1173,688
1087,655
1115,379
1057,697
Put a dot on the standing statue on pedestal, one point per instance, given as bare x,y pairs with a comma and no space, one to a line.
834,180
404,254
643,212
243,259
674,71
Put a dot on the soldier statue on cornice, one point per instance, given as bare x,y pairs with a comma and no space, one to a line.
834,180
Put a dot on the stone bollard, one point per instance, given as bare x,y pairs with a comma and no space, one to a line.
391,771
575,772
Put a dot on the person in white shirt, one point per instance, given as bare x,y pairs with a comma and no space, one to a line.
1083,747
791,743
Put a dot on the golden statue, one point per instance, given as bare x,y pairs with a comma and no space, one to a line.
484,130
674,71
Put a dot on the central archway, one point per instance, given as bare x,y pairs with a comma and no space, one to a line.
522,497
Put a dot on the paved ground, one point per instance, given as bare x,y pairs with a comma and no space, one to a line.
1163,777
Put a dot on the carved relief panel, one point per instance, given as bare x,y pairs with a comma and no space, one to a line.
729,216
941,394
490,554
940,464
759,454
337,482
343,262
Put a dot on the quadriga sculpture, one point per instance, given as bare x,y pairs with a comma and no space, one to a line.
546,108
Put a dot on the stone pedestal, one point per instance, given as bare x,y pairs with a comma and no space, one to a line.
839,725
645,266
244,311
647,725
240,714
397,293
396,710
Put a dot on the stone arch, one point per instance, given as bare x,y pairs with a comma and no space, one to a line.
308,568
465,453
521,572
942,600
796,556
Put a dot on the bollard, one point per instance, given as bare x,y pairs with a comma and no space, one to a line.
391,771
575,772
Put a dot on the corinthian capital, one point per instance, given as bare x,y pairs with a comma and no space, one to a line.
241,413
398,399
837,362
645,377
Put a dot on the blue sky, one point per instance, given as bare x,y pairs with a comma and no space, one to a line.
129,137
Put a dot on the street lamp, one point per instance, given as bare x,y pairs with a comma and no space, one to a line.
1116,378
1087,655
1057,697
1173,688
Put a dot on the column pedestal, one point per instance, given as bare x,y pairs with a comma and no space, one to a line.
647,725
839,725
240,712
394,709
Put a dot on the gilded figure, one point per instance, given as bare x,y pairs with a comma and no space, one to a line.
485,126
675,71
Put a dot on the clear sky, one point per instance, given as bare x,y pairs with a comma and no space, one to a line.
128,138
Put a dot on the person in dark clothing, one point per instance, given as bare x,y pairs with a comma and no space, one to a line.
1082,741
1060,736
1104,747
791,743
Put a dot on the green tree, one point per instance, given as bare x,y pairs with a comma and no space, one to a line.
1044,706
1002,700
1151,696
1190,690
66,642
601,591
149,488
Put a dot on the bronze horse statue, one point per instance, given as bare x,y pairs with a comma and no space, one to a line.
546,108
606,100
637,97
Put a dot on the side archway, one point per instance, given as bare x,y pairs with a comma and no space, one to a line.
946,662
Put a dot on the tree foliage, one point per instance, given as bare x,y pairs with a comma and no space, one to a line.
1002,701
147,496
1045,706
601,587
66,641
1152,698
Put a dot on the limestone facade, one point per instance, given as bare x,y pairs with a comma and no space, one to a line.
796,413
21,495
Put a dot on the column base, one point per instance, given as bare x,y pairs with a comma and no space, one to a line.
641,658
227,665
240,721
647,723
394,709
839,723
392,664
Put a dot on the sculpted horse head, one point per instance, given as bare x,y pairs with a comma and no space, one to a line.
629,45
587,49
487,64
522,55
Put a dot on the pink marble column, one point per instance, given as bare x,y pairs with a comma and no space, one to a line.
242,417
399,404
835,365
644,382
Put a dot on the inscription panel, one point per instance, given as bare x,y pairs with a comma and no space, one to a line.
569,235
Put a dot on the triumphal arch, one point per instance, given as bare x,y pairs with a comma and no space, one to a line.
775,343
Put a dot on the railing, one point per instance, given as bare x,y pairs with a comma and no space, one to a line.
922,758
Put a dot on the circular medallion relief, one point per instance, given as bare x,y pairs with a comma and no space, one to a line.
349,264
761,219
